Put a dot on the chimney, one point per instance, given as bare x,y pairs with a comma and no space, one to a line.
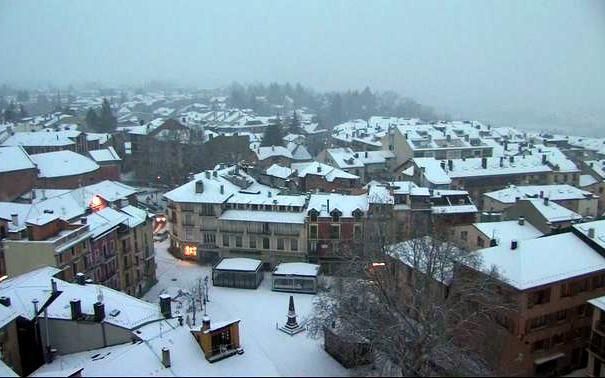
15,219
517,199
545,201
356,155
207,173
205,323
541,194
165,305
591,232
166,357
493,243
5,301
214,174
511,159
76,309
199,186
366,154
521,221
318,168
405,135
448,138
272,148
269,194
83,220
328,205
53,286
514,244
443,165
543,158
450,164
99,309
80,278
501,161
505,145
484,163
222,189
591,164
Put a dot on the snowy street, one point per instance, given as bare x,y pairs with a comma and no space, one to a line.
267,350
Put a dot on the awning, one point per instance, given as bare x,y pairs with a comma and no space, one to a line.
540,361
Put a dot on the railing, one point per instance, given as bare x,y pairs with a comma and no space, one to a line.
71,236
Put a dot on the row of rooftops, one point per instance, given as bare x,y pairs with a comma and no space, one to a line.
75,206
547,159
236,190
57,163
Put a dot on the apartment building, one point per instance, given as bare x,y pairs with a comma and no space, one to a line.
227,213
335,228
481,175
545,215
580,201
548,280
440,141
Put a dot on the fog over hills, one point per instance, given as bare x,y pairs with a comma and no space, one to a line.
534,63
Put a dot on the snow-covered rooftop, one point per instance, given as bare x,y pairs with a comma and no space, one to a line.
263,153
553,192
63,163
319,169
239,263
14,159
263,216
279,171
537,262
553,212
506,231
346,204
297,269
103,155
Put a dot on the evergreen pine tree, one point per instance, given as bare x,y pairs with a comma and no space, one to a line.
92,120
107,121
273,135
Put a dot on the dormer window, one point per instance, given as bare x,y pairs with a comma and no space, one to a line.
335,215
313,215
357,213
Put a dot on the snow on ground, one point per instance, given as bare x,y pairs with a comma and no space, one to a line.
267,351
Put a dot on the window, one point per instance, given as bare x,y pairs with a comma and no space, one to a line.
313,231
539,345
538,322
209,238
464,235
480,242
598,281
238,241
280,244
313,215
293,244
335,215
558,339
188,235
335,231
266,243
561,316
252,242
357,235
225,240
538,297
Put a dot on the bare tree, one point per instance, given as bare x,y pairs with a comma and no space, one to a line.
413,303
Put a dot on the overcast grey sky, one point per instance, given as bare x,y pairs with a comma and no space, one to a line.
468,57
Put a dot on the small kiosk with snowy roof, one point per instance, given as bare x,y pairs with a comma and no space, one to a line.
218,340
295,277
239,272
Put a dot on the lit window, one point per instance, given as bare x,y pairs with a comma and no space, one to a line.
190,251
